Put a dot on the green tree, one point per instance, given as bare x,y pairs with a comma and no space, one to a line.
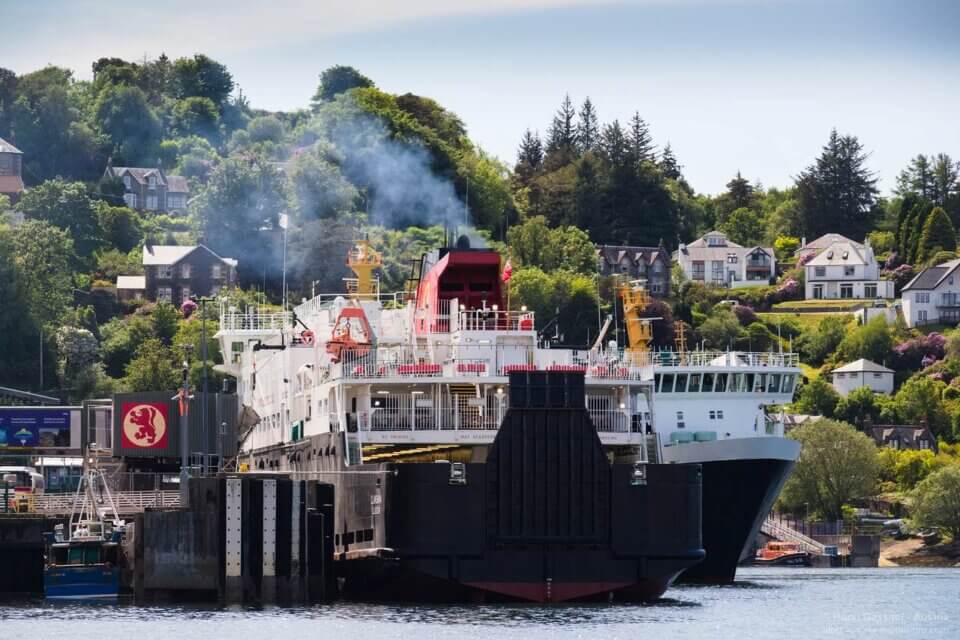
265,129
336,80
164,319
937,235
837,193
561,146
837,465
720,330
669,165
120,226
815,346
153,368
936,501
47,117
65,205
642,148
817,398
19,332
859,406
920,400
42,255
785,247
196,116
126,118
529,157
76,350
871,341
588,128
202,77
8,93
320,189
121,337
743,226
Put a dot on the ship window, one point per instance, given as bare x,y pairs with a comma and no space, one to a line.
788,382
667,386
707,382
694,386
657,379
680,422
451,286
681,386
761,382
481,286
739,383
721,383
773,382
749,382
719,414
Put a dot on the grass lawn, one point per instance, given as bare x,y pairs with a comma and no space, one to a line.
839,305
807,321
810,373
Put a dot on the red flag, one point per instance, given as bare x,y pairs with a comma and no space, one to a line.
507,271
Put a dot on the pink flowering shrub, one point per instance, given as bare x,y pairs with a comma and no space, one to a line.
921,352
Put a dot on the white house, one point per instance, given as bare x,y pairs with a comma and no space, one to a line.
715,260
846,269
814,247
862,373
933,296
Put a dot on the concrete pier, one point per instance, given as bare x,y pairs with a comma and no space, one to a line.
21,553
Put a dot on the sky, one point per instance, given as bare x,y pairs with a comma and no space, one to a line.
733,85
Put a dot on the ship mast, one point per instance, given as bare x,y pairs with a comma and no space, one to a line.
639,328
363,261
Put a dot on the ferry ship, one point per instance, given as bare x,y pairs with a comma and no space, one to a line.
469,462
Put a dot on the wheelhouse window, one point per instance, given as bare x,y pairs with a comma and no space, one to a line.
694,384
681,385
773,382
666,385
721,385
708,379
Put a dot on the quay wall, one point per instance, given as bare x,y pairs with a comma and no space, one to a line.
21,552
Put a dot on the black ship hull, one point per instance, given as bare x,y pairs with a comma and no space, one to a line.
545,517
738,493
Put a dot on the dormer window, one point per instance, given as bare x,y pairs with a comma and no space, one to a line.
152,182
185,271
126,181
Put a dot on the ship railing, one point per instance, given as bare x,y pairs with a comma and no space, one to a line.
429,419
724,359
254,321
480,361
493,319
126,502
322,301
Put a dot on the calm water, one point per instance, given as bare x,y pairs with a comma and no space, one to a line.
766,603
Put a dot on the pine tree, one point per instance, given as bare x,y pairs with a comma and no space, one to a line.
562,136
588,128
588,197
944,176
615,146
529,157
641,143
837,193
938,235
740,192
917,178
668,164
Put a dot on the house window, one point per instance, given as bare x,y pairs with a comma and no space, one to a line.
656,288
184,294
870,291
164,294
215,290
820,272
848,271
922,316
657,266
152,202
846,290
152,182
165,271
731,258
174,201
185,271
877,376
698,270
126,181
922,297
130,199
818,291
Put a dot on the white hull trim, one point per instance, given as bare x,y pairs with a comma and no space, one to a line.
759,448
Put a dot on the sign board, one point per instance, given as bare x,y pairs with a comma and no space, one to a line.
39,428
144,425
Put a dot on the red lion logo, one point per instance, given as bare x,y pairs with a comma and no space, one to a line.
145,418
144,425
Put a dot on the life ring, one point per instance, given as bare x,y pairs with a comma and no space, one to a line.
306,337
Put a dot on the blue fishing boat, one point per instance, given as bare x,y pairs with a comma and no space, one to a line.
83,559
